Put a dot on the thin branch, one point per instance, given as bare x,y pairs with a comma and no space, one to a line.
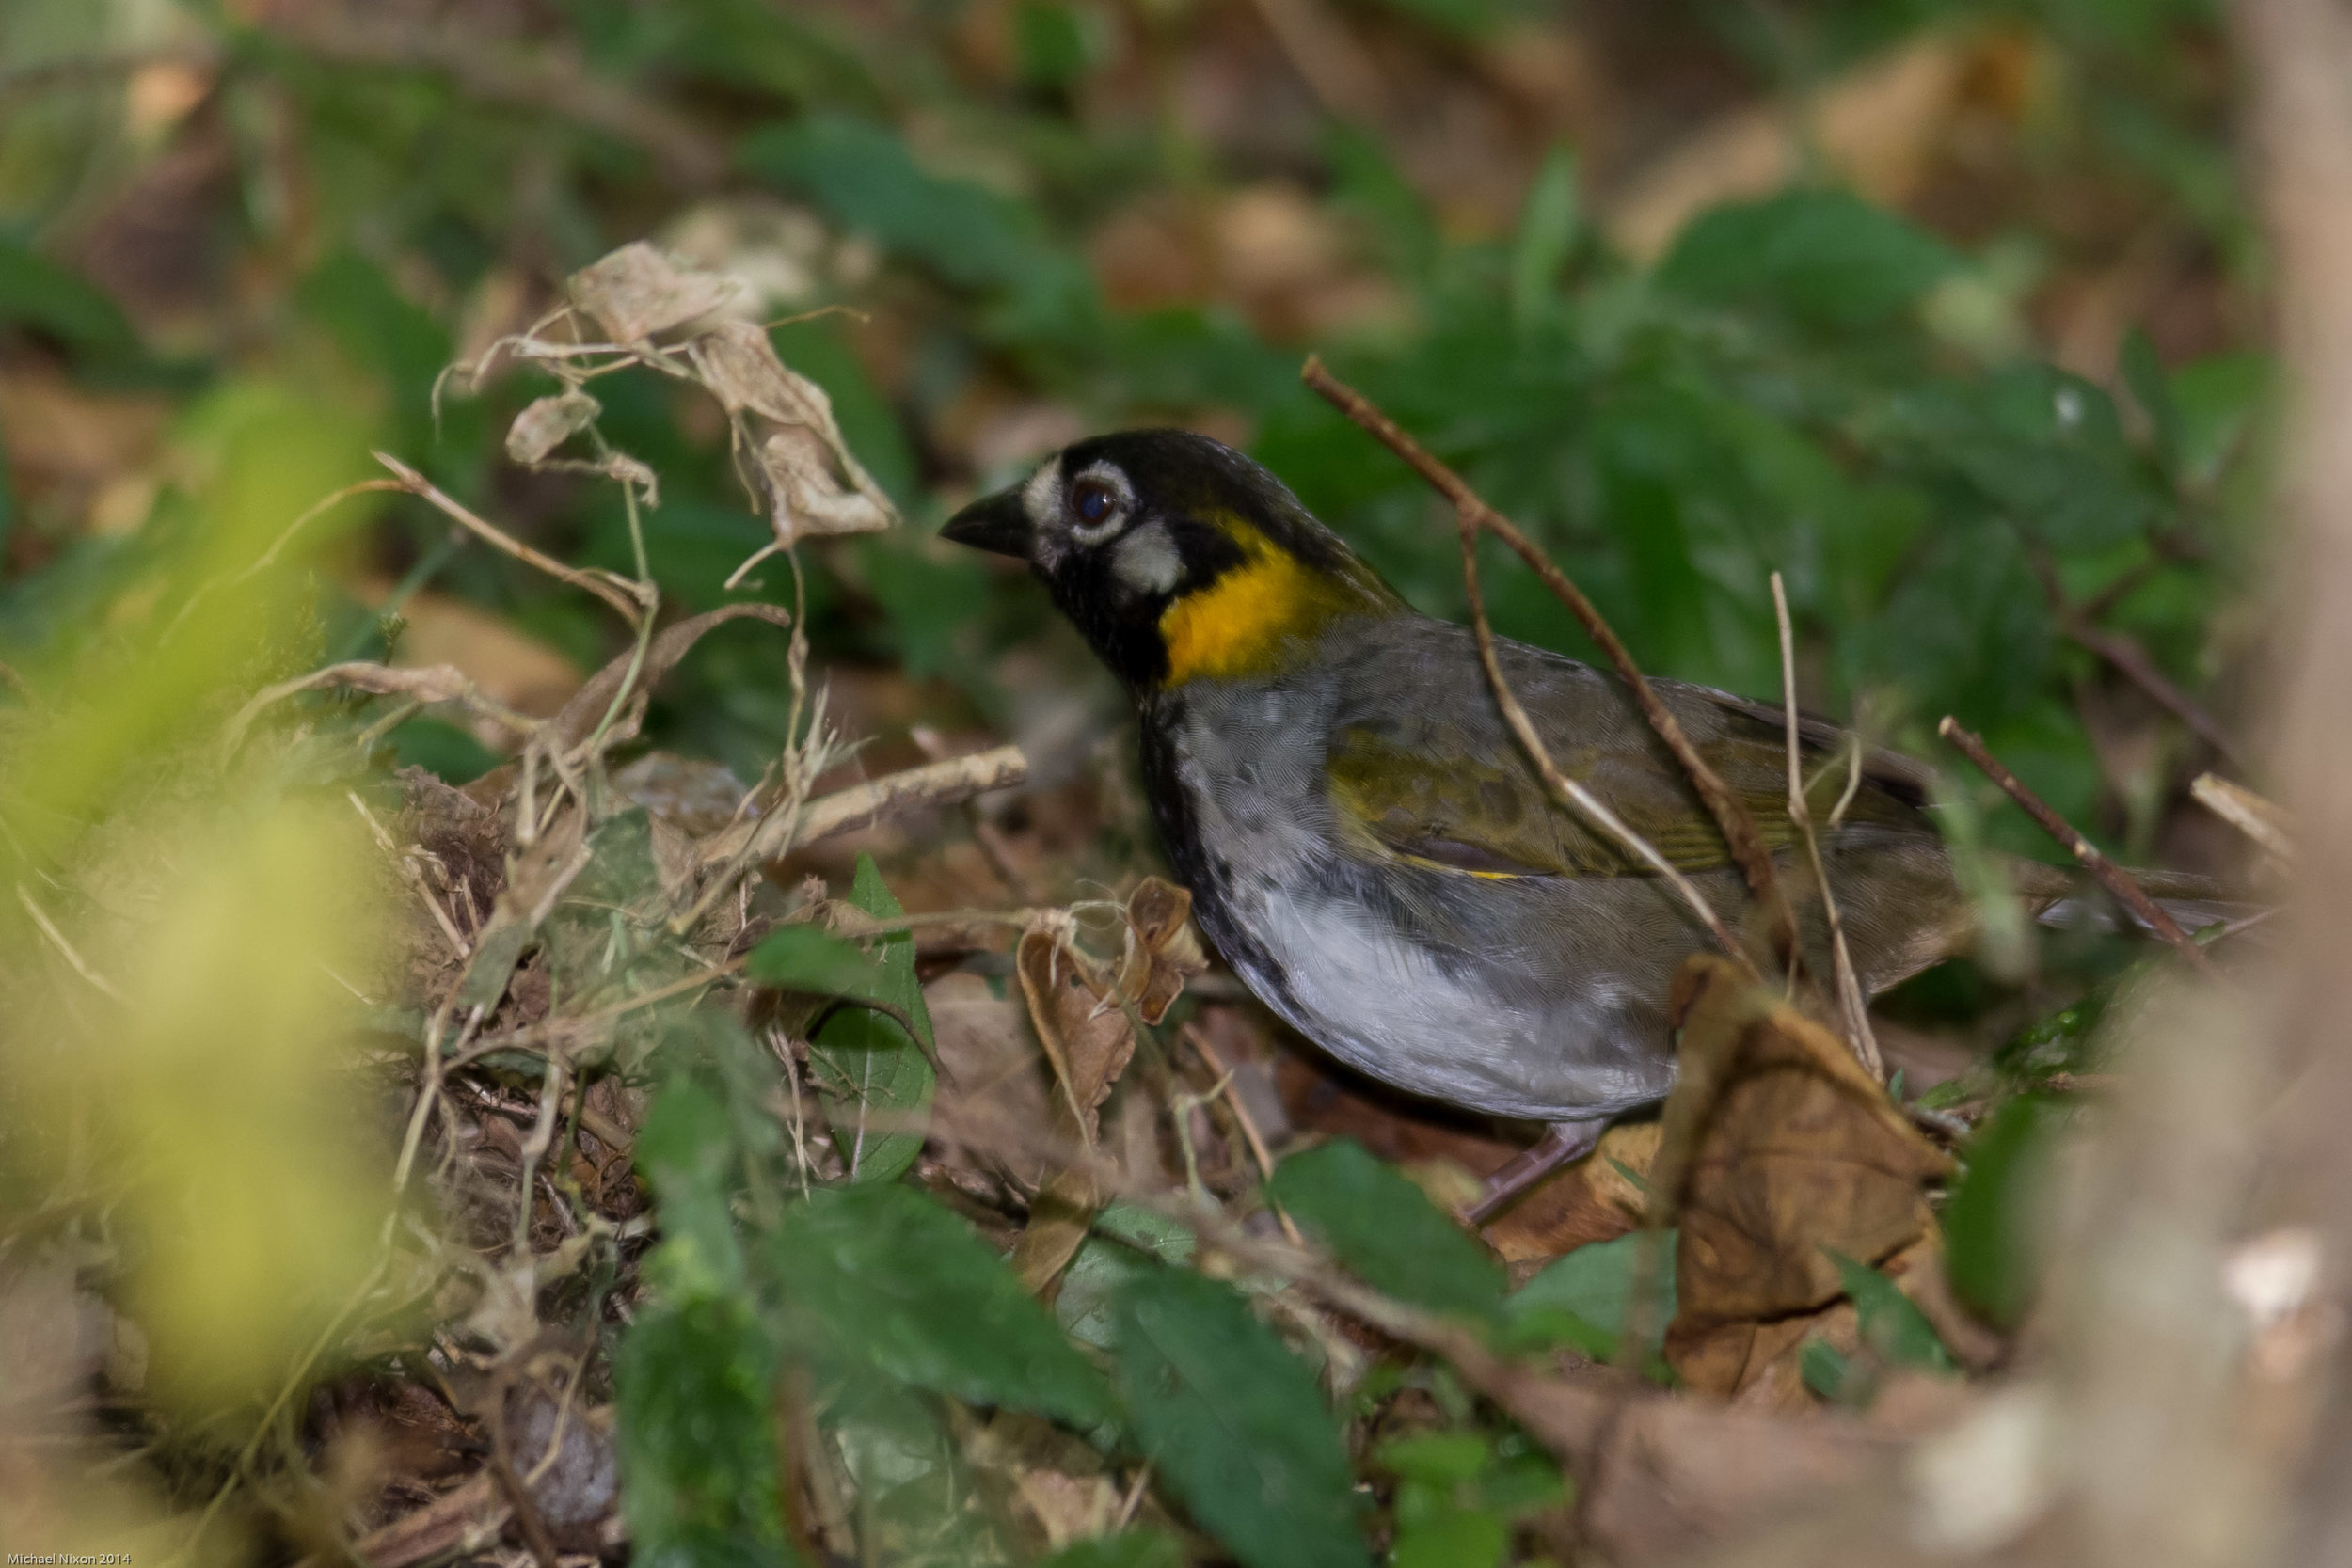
1568,789
2080,623
56,939
2266,824
1731,815
2111,876
1849,998
600,584
940,783
434,683
269,556
2132,661
1258,1150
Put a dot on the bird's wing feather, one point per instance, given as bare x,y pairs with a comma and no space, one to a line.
1442,782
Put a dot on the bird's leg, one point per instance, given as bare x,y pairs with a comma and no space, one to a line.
1563,1143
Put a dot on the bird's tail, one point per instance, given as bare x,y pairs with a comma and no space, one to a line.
2194,903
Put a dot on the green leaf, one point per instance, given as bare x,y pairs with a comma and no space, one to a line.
1581,1298
1991,1251
693,1383
1546,232
926,600
1235,1423
1451,1538
440,749
1830,1373
37,293
876,1081
1822,256
687,1150
1436,1458
2143,373
2218,400
1135,1548
1892,1323
863,175
896,1278
1386,1231
805,956
608,939
1053,43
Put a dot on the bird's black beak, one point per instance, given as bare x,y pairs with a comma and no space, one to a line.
999,523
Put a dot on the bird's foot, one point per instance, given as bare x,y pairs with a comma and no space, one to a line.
1563,1143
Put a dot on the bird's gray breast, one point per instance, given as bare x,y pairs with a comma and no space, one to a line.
1471,991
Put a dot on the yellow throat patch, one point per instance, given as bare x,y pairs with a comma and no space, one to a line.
1237,627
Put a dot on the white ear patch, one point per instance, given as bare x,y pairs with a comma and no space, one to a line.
1146,561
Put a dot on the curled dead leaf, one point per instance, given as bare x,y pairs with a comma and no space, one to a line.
1081,1024
1778,1150
546,423
1162,954
808,480
640,290
805,498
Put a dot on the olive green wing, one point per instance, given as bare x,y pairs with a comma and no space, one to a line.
1445,795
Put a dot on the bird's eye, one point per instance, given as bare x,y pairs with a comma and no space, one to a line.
1094,500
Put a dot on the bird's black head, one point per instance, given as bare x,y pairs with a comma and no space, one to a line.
1177,558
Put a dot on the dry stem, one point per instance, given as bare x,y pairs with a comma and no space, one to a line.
938,783
600,584
2249,812
1849,998
2111,876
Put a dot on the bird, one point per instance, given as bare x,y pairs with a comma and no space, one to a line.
1366,843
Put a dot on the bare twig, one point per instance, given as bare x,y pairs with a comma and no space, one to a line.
2111,876
435,683
2133,662
56,939
2081,623
1849,998
2248,812
1732,816
939,783
618,593
269,556
1249,1133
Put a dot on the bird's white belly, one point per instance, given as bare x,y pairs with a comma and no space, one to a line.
1392,1009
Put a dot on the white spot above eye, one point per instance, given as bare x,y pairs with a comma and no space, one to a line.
1147,562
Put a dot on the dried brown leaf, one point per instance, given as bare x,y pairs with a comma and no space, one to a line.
588,706
805,498
639,290
1161,952
1593,1201
1082,1026
1780,1150
546,423
811,483
995,1102
1057,1226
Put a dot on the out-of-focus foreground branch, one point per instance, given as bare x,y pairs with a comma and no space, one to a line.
2300,54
